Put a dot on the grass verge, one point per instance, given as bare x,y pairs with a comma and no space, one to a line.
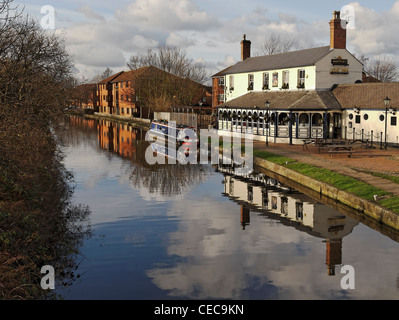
342,182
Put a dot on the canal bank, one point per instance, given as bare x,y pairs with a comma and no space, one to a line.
361,169
134,122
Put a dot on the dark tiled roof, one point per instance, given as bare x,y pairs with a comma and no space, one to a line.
110,78
293,59
367,95
287,100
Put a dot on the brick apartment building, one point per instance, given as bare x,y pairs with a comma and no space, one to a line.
117,94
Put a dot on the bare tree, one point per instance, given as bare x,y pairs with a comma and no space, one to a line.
277,43
165,77
99,77
384,69
173,60
35,76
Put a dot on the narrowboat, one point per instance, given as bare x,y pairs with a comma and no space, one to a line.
181,134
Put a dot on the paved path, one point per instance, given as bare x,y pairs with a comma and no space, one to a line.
362,161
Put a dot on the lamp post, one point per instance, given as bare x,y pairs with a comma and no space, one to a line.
386,103
267,120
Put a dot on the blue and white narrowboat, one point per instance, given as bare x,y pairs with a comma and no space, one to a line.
182,134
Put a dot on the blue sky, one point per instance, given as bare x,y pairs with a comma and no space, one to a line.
101,34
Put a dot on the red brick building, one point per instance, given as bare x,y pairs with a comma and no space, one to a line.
117,94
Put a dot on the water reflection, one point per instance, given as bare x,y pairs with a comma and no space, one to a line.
268,197
187,235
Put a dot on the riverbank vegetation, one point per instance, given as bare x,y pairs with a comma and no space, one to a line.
38,224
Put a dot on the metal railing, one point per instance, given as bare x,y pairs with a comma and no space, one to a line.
370,138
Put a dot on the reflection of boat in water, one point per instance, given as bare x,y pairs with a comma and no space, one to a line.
169,131
181,154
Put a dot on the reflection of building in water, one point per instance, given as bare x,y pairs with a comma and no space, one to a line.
258,193
118,137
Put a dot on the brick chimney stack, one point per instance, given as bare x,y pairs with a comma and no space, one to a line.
337,33
245,48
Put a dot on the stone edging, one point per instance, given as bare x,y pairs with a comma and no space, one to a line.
368,208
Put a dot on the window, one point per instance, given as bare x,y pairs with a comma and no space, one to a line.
121,97
351,116
357,119
275,79
382,117
274,202
284,205
366,117
250,81
393,121
221,97
266,81
317,119
299,210
265,198
231,80
304,119
127,84
221,81
286,80
250,193
301,79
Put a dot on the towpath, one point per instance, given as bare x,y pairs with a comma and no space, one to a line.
358,166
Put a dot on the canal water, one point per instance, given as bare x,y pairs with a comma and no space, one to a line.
204,232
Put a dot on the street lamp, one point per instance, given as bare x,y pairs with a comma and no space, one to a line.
386,103
267,120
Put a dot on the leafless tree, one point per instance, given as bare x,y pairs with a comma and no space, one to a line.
35,76
277,43
383,68
173,60
165,77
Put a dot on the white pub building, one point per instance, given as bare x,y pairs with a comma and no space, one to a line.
305,94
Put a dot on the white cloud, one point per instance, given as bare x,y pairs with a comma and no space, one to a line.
167,15
375,33
90,13
177,40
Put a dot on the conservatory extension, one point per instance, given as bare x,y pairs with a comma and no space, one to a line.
283,117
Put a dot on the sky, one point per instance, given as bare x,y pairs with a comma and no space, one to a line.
101,34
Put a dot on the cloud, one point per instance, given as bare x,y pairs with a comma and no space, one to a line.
100,55
167,15
90,13
375,33
177,40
